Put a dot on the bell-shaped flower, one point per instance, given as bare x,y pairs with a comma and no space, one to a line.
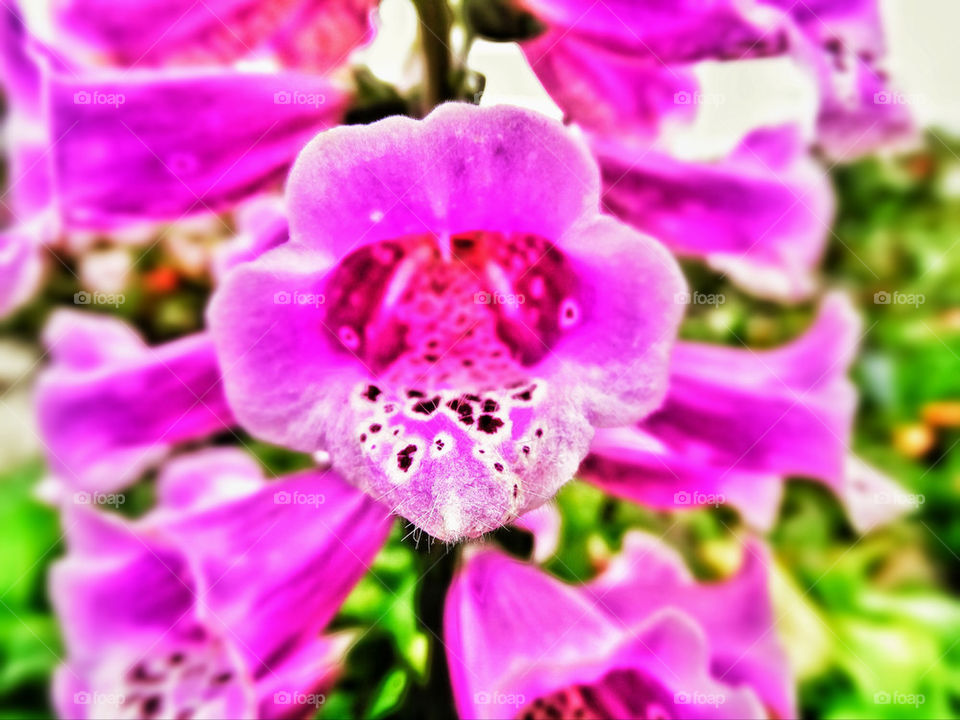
642,640
451,317
212,604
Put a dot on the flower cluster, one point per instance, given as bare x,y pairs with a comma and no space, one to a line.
455,314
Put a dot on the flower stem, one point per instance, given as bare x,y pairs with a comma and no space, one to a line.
434,700
435,22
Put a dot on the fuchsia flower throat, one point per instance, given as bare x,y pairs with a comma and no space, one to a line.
451,330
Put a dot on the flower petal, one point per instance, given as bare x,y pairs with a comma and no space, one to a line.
312,35
762,215
125,154
109,412
463,169
737,417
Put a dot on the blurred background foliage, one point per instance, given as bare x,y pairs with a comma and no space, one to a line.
872,622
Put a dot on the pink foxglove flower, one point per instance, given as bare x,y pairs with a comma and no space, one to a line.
761,215
452,315
110,406
737,421
624,68
643,640
212,605
312,34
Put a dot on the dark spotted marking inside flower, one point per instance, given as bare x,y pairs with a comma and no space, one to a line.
618,695
450,330
195,680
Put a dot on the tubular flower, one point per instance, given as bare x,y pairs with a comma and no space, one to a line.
643,640
312,34
625,68
451,317
761,215
110,406
736,422
212,608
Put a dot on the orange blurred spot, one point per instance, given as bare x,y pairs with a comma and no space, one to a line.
945,413
161,280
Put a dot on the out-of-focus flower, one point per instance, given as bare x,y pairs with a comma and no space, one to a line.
642,640
21,268
212,605
451,317
311,34
843,41
736,422
761,215
109,406
123,153
624,68
106,148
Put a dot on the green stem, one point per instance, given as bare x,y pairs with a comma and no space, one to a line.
434,700
435,22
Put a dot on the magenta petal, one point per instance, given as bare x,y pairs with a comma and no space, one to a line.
306,33
462,169
736,419
515,635
206,478
860,111
212,609
624,69
500,614
109,411
762,215
736,615
125,154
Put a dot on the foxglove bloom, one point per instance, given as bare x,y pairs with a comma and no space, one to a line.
451,317
624,68
317,35
643,640
212,605
619,67
761,215
736,422
125,155
99,149
110,406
